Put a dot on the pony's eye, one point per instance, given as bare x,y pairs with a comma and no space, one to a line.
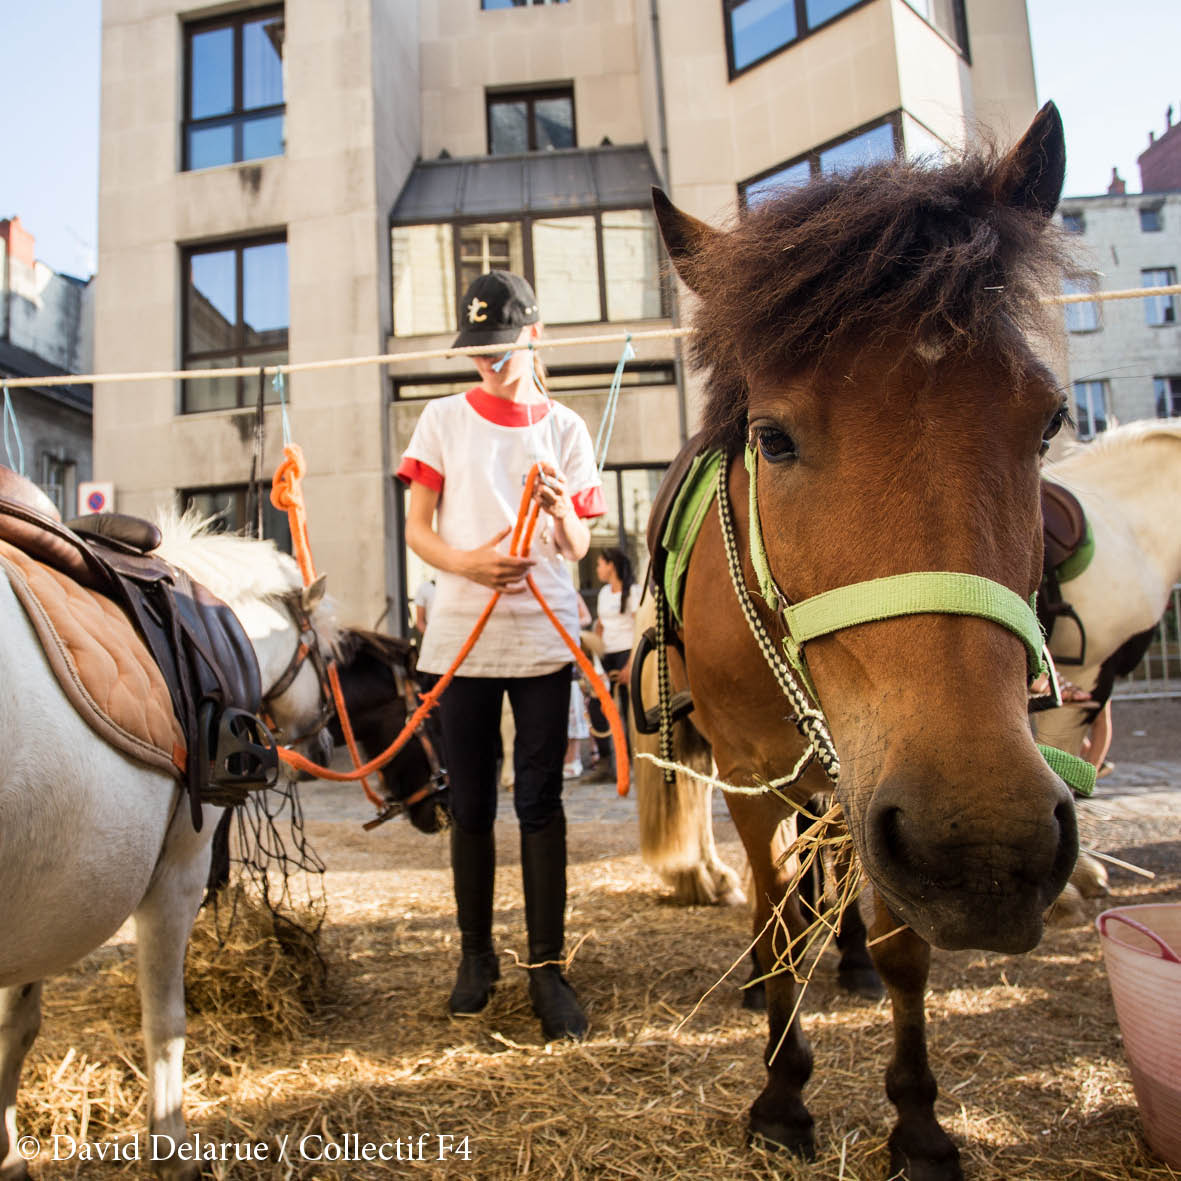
1054,426
774,445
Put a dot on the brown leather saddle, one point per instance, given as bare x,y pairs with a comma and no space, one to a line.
1068,547
202,651
1063,523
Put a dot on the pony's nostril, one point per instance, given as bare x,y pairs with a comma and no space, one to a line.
887,825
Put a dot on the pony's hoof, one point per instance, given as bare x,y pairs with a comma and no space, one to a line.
937,1160
862,982
775,1133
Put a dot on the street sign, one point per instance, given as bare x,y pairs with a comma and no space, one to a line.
95,497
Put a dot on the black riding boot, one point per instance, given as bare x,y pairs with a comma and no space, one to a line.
473,868
543,871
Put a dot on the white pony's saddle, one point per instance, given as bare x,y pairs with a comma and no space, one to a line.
156,664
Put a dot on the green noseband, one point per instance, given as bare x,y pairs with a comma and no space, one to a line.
921,593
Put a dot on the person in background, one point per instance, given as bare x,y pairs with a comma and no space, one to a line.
423,598
466,465
619,598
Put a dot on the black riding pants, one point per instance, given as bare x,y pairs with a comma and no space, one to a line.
469,711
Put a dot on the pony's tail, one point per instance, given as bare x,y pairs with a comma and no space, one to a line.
676,822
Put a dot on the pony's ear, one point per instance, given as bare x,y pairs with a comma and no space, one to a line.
684,236
1032,173
311,595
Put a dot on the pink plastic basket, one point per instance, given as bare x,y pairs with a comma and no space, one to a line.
1144,969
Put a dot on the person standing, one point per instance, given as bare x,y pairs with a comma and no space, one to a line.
619,599
466,465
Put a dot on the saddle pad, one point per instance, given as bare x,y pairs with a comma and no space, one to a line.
101,663
684,522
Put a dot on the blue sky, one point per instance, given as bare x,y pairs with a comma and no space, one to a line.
1110,65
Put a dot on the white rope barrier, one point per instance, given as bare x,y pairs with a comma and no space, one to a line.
16,383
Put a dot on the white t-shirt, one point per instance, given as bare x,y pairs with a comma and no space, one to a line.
424,597
618,627
476,450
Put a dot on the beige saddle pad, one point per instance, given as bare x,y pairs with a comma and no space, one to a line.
100,662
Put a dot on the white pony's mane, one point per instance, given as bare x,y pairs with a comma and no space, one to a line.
237,568
1122,437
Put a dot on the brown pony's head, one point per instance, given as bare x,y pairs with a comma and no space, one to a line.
867,335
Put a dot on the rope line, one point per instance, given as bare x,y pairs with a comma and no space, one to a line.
757,789
470,351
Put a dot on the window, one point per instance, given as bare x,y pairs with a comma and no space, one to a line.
1151,221
233,509
1073,222
1160,309
628,493
235,313
756,29
59,481
1080,317
1168,396
489,5
234,102
586,267
530,120
947,16
867,145
1090,406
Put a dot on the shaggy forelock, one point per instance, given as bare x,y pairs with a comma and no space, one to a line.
890,252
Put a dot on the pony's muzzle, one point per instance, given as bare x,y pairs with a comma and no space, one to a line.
971,878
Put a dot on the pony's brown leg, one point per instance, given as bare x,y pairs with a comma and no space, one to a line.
920,1150
20,1019
778,1115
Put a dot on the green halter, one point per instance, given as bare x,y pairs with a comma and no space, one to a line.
926,592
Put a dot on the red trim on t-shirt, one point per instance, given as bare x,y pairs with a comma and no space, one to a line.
503,412
415,471
589,502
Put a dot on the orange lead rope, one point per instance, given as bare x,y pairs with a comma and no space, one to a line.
287,478
287,496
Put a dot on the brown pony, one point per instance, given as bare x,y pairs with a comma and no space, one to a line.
867,334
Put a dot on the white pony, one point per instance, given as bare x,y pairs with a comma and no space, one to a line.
89,837
1128,481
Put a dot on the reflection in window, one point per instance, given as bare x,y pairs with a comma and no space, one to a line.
235,314
234,93
866,147
1080,317
631,259
1090,407
489,5
488,246
947,16
1159,309
234,510
424,279
629,493
530,121
1168,396
756,29
1073,223
566,269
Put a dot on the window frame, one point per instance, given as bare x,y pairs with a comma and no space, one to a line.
524,4
1156,212
1088,387
1167,391
1169,318
1077,223
662,369
1083,310
525,221
262,487
802,27
892,119
238,116
238,357
530,95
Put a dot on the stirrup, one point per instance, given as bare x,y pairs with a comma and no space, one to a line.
238,751
647,721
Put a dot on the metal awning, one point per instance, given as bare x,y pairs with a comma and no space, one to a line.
536,182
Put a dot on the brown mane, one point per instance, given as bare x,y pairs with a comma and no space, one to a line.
854,260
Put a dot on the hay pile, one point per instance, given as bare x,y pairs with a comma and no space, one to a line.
1033,1084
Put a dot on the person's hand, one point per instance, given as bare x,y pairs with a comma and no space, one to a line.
488,566
550,492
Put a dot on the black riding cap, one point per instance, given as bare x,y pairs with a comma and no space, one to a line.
495,308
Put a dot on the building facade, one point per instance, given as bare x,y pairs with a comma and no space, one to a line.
1124,356
46,330
303,182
